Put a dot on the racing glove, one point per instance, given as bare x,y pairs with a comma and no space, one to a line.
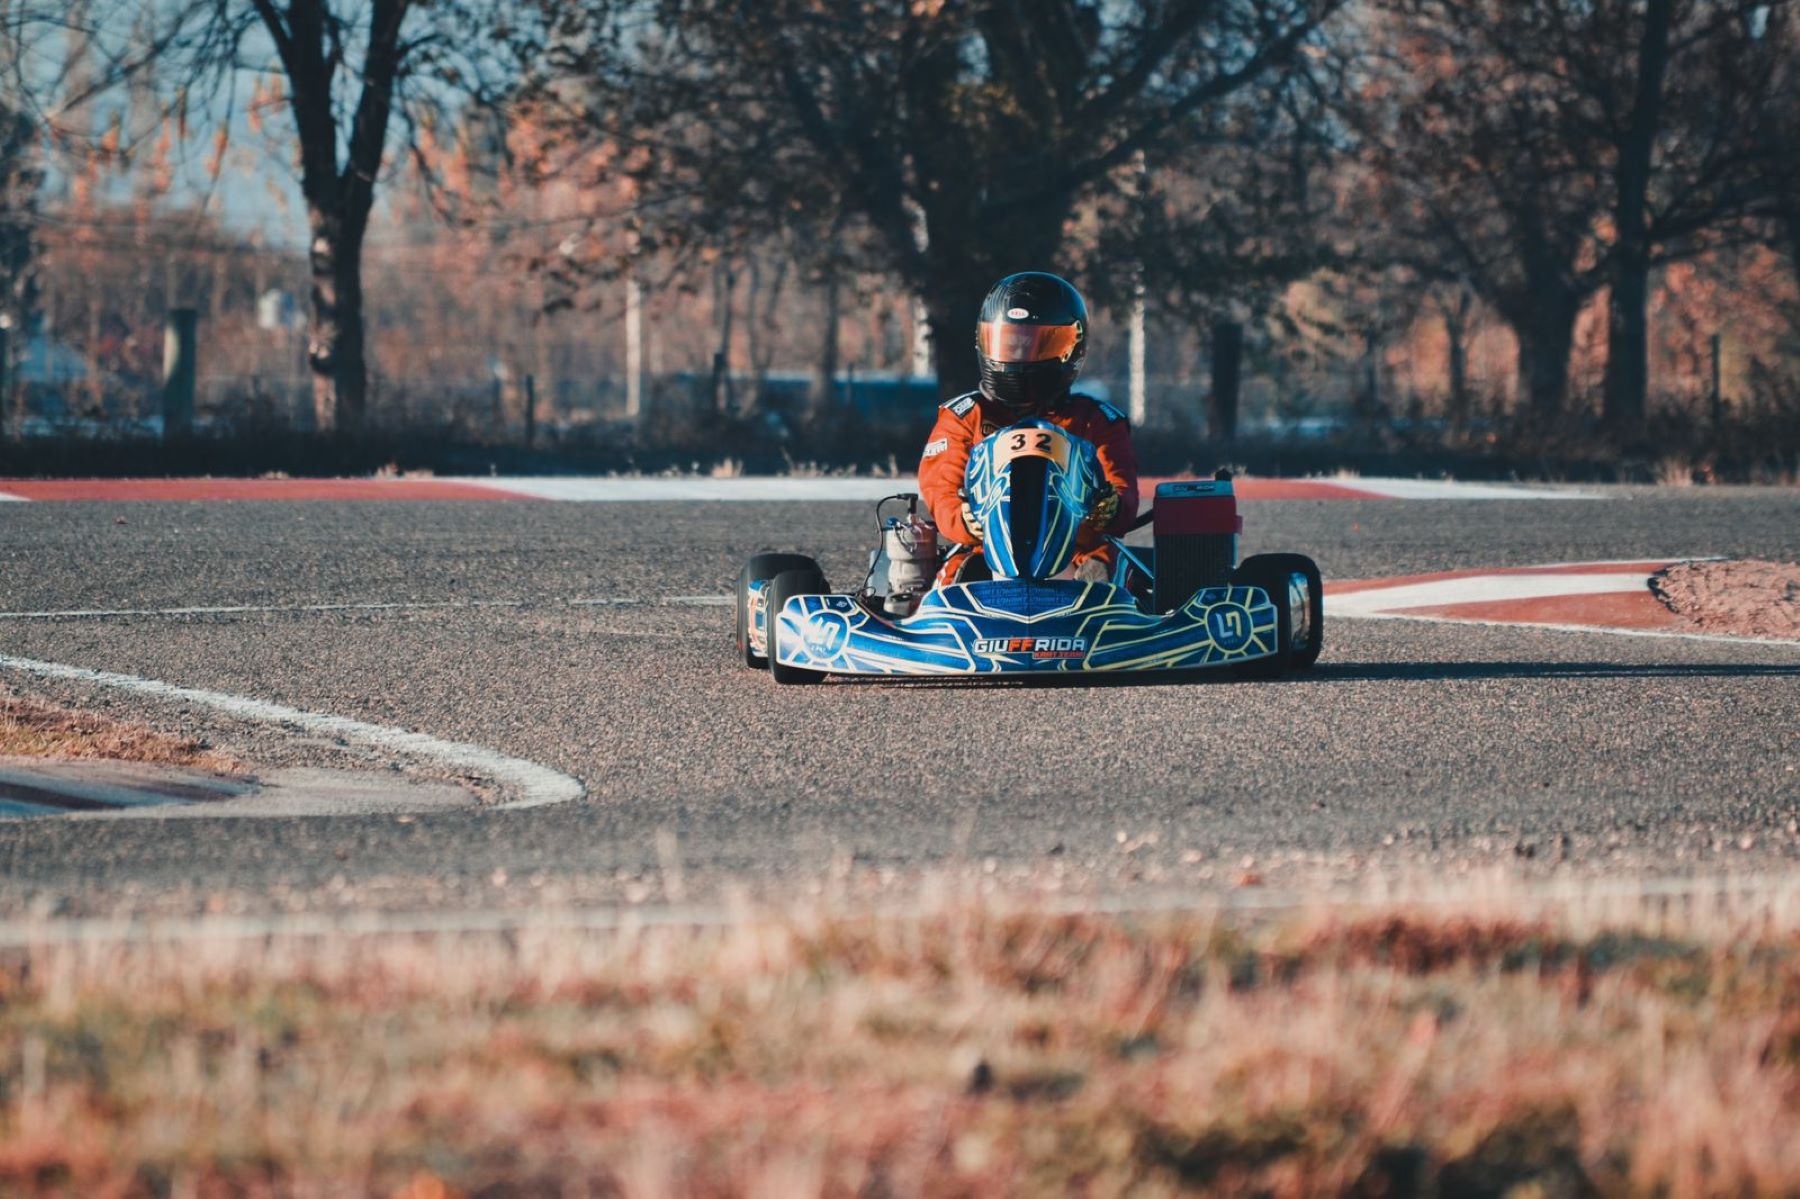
1105,509
969,521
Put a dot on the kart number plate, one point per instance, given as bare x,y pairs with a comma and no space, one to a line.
1031,443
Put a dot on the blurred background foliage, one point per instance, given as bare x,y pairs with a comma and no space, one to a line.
1539,235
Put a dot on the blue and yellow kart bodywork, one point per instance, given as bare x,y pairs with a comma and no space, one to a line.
1021,626
1029,488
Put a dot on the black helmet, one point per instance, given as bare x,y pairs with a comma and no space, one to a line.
1031,340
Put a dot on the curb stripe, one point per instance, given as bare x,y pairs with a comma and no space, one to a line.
1587,597
1647,566
1613,610
1553,627
1401,596
533,785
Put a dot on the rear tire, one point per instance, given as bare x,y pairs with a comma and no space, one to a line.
1306,622
1272,578
782,588
762,566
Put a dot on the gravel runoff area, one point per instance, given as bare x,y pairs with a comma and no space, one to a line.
559,634
1750,598
32,728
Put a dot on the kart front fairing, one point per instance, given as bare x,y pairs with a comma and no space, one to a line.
1021,626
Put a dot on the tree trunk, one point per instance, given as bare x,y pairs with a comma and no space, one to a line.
1627,326
1628,344
1456,313
724,288
1546,335
951,309
1792,221
952,297
824,383
338,196
334,344
1370,405
969,248
1227,375
762,311
1456,329
352,351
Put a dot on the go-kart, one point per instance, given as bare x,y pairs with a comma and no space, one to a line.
1184,604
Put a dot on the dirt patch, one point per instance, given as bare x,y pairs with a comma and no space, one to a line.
1745,598
36,729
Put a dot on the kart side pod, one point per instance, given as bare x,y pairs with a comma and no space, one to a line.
1196,526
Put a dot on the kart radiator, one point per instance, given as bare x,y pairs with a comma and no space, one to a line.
1197,526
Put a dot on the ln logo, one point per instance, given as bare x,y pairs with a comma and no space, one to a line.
1229,625
825,634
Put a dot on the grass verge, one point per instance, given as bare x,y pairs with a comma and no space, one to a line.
1491,1048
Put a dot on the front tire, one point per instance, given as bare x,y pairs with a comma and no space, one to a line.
762,566
782,588
1306,603
1272,577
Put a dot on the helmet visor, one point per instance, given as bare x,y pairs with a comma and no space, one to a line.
1003,341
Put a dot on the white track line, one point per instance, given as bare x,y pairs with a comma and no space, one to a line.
243,609
668,601
534,786
1450,489
674,601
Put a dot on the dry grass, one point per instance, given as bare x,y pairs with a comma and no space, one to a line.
33,728
1501,1048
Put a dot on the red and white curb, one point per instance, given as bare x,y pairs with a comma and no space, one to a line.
1610,597
679,490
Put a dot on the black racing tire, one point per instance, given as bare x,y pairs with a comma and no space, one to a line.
782,588
1308,626
762,566
1257,571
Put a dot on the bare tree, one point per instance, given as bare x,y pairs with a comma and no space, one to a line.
339,185
1686,148
20,177
1780,145
350,69
964,135
1518,149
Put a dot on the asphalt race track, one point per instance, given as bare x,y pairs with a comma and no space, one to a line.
545,632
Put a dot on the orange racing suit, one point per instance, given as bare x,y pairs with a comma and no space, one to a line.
967,419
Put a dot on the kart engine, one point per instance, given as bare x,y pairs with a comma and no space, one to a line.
911,547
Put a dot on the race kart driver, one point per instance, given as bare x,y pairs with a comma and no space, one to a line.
1030,340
